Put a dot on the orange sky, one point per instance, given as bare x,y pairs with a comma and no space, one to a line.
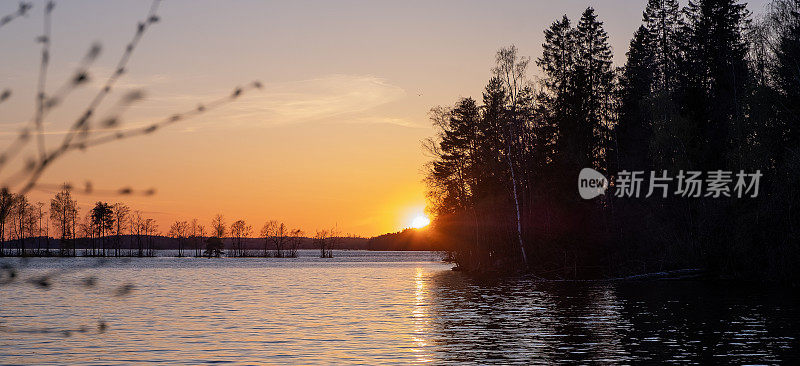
334,136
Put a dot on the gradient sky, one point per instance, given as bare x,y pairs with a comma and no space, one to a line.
334,137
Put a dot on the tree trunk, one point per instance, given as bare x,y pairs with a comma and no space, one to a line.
516,206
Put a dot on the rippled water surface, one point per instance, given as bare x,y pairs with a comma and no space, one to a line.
376,307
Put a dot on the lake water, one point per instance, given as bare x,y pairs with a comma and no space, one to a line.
373,308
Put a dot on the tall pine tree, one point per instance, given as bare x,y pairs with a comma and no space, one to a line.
634,128
595,85
662,20
715,78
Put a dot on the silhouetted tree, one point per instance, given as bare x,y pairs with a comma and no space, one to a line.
218,227
24,221
275,232
662,21
120,214
634,128
88,232
178,231
137,232
714,79
103,222
150,229
201,236
326,240
196,232
6,206
64,212
786,72
240,231
40,233
266,232
294,242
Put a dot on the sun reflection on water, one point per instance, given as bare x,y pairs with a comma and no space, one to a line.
421,319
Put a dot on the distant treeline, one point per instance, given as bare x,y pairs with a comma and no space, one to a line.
41,246
705,88
408,239
27,229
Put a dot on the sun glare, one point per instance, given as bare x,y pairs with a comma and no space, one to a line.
420,222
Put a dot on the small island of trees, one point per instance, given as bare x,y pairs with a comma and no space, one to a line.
115,230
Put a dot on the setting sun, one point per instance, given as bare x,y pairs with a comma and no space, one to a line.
420,221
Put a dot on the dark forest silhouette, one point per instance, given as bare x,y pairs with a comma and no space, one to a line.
704,88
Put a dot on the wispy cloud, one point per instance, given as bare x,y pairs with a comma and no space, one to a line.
402,122
343,98
316,99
